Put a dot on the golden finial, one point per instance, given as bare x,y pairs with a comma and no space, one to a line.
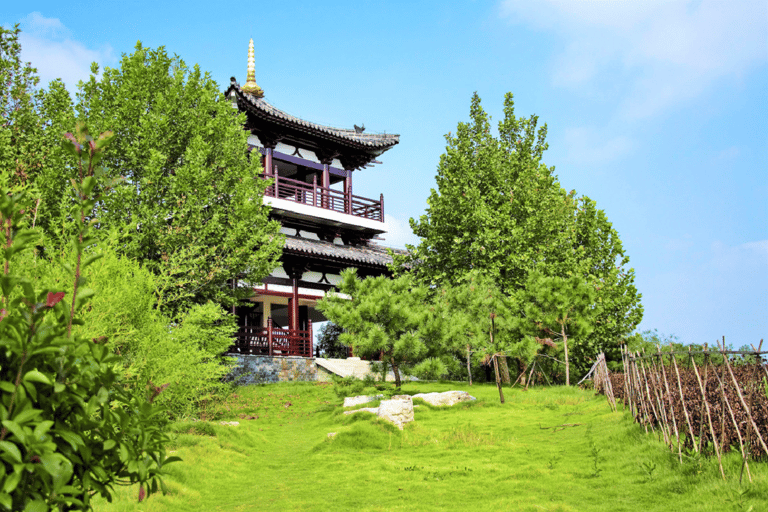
250,86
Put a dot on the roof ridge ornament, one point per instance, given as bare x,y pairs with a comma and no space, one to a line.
250,86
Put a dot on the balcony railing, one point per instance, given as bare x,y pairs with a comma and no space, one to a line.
273,341
326,198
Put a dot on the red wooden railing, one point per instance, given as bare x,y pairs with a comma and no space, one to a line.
326,198
273,341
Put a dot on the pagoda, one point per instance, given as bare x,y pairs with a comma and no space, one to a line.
327,227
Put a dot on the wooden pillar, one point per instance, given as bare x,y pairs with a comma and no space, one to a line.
277,184
293,305
326,184
314,190
311,338
267,316
381,205
269,335
348,192
268,162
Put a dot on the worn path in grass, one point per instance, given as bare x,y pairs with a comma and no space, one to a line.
478,456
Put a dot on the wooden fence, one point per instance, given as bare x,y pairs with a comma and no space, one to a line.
709,401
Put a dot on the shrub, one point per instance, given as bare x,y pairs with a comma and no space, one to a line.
71,428
152,348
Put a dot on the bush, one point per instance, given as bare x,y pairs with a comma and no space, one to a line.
71,427
152,348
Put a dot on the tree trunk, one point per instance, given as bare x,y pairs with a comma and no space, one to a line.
498,378
567,364
521,368
495,361
396,371
469,366
504,369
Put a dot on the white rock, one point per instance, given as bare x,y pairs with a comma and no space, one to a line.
445,398
398,412
229,423
352,401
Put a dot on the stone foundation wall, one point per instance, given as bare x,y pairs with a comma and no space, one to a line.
266,369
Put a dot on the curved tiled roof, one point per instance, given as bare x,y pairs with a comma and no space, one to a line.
378,142
371,254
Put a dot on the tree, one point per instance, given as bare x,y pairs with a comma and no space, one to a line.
328,342
488,321
559,307
499,209
383,316
188,207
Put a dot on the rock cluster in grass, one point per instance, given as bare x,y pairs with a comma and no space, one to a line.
352,401
445,398
399,409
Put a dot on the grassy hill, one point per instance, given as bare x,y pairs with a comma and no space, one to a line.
547,449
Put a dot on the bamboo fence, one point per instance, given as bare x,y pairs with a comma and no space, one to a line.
709,406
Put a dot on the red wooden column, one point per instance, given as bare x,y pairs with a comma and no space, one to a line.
348,191
381,206
268,162
326,185
311,338
293,307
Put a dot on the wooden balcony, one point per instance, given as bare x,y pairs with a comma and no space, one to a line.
318,196
273,341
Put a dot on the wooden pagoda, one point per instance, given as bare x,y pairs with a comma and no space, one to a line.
327,227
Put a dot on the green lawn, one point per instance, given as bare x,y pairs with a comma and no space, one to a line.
476,456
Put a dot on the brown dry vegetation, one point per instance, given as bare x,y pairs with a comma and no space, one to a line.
664,402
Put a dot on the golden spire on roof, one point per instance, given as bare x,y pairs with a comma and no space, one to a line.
250,86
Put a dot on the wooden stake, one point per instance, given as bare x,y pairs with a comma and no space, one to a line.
671,407
656,414
685,409
746,408
744,453
641,396
703,389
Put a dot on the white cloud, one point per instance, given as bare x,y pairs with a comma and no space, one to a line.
398,233
47,44
585,146
670,51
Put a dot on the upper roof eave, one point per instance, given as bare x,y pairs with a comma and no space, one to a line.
375,143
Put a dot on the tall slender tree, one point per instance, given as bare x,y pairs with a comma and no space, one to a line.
499,209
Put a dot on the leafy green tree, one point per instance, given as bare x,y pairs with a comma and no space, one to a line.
187,206
328,342
559,307
499,209
382,316
488,321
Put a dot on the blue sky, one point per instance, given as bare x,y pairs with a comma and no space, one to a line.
658,110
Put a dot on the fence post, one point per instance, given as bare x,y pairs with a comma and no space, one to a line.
269,336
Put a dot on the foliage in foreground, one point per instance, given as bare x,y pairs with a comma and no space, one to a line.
557,449
185,354
71,428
